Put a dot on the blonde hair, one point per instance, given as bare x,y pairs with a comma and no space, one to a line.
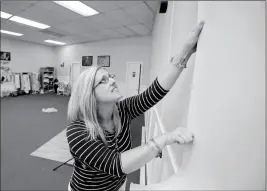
82,105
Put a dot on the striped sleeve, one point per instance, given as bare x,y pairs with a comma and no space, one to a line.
93,152
137,105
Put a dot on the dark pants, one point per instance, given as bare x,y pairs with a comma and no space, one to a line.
55,88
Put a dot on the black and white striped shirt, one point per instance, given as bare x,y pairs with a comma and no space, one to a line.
96,166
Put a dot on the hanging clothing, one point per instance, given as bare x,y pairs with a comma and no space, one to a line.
26,85
17,81
34,82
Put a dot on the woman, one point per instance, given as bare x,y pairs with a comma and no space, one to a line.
98,133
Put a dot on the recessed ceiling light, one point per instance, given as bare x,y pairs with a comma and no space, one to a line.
29,22
5,15
78,7
11,33
55,42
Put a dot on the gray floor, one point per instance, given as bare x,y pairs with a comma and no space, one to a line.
24,128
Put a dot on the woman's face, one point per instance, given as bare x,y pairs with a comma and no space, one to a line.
105,87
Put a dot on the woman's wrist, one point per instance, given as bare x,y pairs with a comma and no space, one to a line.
161,141
167,138
181,59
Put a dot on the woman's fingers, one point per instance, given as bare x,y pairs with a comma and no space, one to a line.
198,28
192,137
191,43
184,138
180,139
181,136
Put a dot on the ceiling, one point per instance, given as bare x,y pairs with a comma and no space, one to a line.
116,19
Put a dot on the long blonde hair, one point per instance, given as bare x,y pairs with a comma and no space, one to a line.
83,105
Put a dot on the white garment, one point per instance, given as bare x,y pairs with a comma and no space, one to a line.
69,188
26,86
34,82
17,81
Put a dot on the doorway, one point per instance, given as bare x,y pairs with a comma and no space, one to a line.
133,77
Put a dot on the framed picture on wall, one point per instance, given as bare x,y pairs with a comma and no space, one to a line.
87,60
5,56
103,61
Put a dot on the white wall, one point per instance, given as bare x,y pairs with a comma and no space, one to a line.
226,108
28,57
227,111
160,44
121,51
169,34
157,170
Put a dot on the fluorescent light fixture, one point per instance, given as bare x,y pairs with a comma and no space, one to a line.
11,33
78,7
5,15
55,42
29,22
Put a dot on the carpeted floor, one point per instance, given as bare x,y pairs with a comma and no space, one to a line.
24,128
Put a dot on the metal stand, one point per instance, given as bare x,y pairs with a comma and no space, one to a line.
65,163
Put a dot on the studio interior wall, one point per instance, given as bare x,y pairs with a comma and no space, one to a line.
121,51
27,56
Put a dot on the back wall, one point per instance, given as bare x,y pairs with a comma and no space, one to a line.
28,57
121,51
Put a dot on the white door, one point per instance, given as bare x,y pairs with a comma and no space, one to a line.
75,72
133,75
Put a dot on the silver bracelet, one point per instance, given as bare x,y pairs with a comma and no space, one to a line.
181,63
158,147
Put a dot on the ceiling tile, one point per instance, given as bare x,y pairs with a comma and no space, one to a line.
16,27
58,12
72,39
125,31
90,24
14,37
140,29
153,5
117,19
14,7
123,4
30,36
101,22
53,32
93,36
102,6
109,33
37,37
120,17
140,12
40,15
3,20
149,24
77,27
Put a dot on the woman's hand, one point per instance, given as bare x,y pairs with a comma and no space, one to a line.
191,42
180,135
190,45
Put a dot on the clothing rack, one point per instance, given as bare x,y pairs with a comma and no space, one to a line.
47,77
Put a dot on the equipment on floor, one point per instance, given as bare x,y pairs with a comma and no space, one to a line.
65,163
49,110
